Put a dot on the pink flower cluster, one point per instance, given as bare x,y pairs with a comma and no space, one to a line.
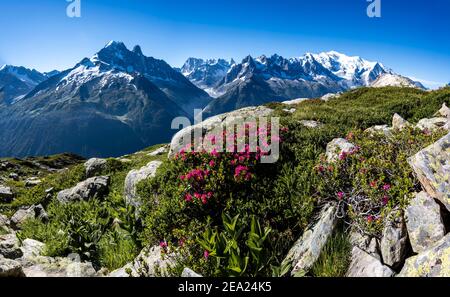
242,171
196,175
203,197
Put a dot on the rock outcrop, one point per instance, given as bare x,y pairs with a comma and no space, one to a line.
399,123
24,214
433,262
10,246
189,134
424,222
86,190
365,265
94,166
134,177
432,167
307,249
6,194
151,262
394,239
10,268
432,124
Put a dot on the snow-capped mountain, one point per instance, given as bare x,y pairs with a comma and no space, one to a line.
116,102
264,79
17,81
355,71
389,79
206,74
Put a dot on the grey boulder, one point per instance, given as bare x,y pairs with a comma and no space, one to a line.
134,177
24,214
151,262
10,268
393,240
86,190
94,166
433,262
432,168
424,222
10,246
307,249
6,195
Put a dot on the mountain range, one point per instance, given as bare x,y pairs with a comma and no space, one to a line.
259,80
119,100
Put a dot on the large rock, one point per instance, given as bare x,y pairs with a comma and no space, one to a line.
6,195
10,246
393,240
24,214
4,221
432,167
365,265
94,166
307,249
399,123
86,190
32,248
10,268
432,124
336,147
433,262
70,266
424,222
184,136
134,177
444,111
151,262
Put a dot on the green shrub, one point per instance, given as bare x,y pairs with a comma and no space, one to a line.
375,177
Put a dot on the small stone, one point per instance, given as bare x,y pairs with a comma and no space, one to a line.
189,273
311,124
159,151
399,123
336,147
6,195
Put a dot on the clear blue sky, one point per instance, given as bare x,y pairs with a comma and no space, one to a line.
412,37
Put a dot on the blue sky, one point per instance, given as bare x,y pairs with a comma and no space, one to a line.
411,37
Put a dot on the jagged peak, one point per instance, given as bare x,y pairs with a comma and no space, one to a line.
137,50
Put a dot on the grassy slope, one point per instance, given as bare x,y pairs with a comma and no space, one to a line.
295,179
